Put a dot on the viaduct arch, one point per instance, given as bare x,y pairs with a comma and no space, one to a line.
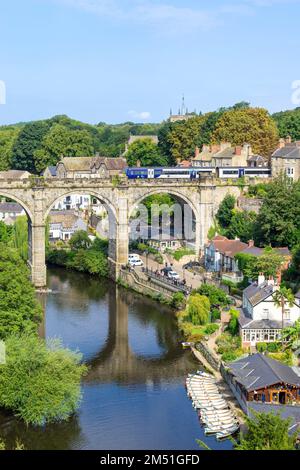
38,195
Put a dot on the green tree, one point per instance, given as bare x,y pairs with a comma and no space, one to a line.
8,136
269,263
251,125
241,226
281,297
19,309
288,123
80,240
27,143
5,232
278,221
198,309
20,236
233,326
267,431
292,335
62,142
225,212
183,138
217,297
145,152
40,383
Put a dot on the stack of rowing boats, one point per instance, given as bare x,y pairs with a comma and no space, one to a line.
214,412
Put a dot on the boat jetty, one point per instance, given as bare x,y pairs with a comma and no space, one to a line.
213,410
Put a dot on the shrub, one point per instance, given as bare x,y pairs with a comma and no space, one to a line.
216,296
215,314
178,300
210,328
261,347
233,326
40,384
273,347
80,240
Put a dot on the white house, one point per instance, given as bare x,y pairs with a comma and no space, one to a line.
9,211
220,252
260,319
73,201
63,224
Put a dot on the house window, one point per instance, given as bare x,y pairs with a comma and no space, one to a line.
290,172
265,314
287,314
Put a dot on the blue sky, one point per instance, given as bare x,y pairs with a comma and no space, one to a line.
120,60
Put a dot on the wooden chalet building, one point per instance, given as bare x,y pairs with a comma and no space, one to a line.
258,379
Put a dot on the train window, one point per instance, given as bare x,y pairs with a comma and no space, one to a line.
230,172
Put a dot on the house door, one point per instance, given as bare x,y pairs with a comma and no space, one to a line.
253,339
282,398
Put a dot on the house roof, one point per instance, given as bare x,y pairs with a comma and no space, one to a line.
77,163
259,371
52,170
67,219
110,163
289,151
14,174
246,322
257,293
11,207
228,247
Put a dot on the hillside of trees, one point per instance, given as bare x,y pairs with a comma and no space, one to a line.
34,145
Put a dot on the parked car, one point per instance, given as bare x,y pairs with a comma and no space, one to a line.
135,262
170,273
191,265
173,275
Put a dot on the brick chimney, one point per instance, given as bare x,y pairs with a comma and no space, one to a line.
250,243
138,163
261,279
205,148
281,143
238,150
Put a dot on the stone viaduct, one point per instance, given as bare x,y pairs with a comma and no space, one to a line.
38,195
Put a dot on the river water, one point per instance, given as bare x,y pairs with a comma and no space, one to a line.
134,395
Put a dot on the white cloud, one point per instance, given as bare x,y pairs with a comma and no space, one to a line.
171,18
143,116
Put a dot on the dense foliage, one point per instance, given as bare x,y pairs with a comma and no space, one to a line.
288,123
251,125
33,146
19,309
225,214
267,431
269,263
146,153
198,309
278,222
39,382
217,297
83,256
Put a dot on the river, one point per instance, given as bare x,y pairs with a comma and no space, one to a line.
133,395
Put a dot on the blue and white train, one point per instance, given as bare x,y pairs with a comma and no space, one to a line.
195,173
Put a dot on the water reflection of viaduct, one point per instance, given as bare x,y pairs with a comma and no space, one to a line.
117,362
